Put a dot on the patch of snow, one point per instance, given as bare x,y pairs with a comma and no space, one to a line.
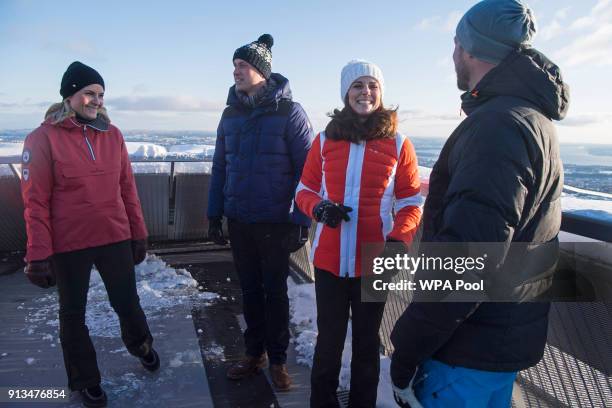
143,150
159,286
192,150
10,149
151,168
598,209
191,168
215,352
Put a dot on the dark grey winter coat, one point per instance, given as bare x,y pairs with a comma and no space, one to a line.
498,179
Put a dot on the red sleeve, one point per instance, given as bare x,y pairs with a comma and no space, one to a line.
308,192
36,188
408,199
129,194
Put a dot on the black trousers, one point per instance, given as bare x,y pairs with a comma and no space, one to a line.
262,262
335,297
73,270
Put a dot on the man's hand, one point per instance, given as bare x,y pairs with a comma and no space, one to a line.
139,250
40,273
215,230
330,213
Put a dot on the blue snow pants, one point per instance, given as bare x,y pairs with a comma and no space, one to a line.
440,385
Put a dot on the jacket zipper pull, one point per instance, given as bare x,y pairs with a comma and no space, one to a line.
93,156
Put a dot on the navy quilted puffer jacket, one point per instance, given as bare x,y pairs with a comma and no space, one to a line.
259,156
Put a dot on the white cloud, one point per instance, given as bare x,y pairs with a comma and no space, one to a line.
163,103
556,26
551,30
445,24
562,13
594,48
452,20
582,23
594,44
427,23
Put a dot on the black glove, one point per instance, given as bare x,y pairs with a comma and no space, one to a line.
40,273
139,250
296,237
392,248
331,214
215,230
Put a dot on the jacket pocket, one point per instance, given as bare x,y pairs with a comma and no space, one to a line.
95,184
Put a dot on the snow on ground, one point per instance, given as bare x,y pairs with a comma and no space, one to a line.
589,207
193,168
424,173
10,149
142,150
191,150
159,288
303,312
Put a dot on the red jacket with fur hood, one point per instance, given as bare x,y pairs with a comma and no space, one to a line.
78,189
378,179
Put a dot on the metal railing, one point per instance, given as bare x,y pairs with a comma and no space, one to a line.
577,364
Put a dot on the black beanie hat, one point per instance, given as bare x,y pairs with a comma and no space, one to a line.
77,77
258,54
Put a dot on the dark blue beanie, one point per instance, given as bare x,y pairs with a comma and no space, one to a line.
77,77
491,29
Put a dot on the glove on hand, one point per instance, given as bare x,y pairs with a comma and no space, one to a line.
215,230
331,214
139,250
40,273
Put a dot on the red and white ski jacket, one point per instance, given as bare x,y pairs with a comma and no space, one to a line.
78,189
379,179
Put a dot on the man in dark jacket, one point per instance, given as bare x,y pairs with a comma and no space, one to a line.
261,147
498,179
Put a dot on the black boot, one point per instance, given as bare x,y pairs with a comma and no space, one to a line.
93,397
151,360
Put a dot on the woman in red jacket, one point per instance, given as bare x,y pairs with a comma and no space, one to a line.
82,209
360,183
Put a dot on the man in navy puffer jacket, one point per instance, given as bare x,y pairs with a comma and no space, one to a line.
261,147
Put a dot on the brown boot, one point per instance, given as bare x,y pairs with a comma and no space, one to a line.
280,377
246,367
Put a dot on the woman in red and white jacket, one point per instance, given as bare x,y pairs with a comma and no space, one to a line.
361,184
82,209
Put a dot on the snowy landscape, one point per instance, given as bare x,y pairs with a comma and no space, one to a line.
588,168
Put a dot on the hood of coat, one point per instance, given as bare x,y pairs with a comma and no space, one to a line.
59,115
282,90
526,74
101,123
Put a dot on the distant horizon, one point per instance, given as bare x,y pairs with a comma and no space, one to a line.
214,132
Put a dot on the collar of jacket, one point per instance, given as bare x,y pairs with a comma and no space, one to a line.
100,123
526,74
269,103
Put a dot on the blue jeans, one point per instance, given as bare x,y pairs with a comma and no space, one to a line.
440,385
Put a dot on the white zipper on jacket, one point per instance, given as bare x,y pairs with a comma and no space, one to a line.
93,156
91,152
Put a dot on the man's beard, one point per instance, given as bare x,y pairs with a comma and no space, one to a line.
463,79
